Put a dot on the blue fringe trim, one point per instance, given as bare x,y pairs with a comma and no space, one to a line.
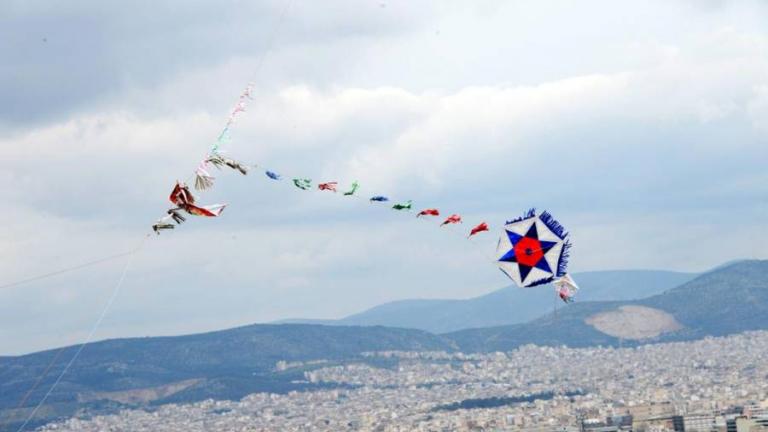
553,225
565,253
529,214
541,282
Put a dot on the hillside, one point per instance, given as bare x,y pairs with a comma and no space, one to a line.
224,364
728,300
510,305
229,364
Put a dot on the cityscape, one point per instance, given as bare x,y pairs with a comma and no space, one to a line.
713,384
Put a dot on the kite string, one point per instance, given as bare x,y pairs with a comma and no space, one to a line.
91,333
42,375
66,270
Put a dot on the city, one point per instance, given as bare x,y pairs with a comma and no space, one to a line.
714,384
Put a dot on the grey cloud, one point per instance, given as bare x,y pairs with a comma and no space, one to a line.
60,59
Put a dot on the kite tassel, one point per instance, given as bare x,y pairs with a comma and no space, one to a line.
565,253
177,217
163,224
216,160
236,165
541,282
530,213
553,225
203,180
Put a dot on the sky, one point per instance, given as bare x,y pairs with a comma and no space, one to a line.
642,126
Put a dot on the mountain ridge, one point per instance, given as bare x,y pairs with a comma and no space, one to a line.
700,306
493,309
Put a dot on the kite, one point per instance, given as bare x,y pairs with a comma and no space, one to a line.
429,212
183,198
407,206
240,105
209,211
566,288
181,195
218,161
203,179
352,189
222,138
330,186
533,250
303,184
176,216
452,219
479,228
163,223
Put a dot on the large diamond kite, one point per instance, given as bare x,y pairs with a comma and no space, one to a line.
533,250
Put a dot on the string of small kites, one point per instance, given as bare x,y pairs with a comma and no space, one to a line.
532,250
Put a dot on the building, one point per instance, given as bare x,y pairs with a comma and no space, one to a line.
702,422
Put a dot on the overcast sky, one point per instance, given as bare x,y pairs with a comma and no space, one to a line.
642,126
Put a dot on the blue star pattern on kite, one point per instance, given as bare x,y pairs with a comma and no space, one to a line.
533,250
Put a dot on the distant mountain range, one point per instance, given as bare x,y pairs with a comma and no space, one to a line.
727,300
229,364
510,305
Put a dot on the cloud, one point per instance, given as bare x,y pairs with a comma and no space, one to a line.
643,146
85,56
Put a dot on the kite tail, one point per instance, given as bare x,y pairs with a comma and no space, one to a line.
565,253
553,225
530,213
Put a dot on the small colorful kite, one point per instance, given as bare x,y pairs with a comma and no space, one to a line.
176,215
218,161
533,250
452,219
273,175
379,198
429,212
183,198
180,195
403,206
223,138
478,229
566,288
352,188
163,224
329,186
203,179
303,184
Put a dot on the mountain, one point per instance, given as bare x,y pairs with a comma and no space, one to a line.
226,364
727,300
510,305
229,364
